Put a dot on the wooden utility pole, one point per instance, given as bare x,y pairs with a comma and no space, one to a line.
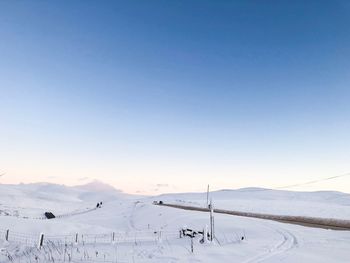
207,196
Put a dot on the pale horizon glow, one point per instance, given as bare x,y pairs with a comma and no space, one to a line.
154,97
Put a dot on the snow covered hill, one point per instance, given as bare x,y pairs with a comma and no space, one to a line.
33,200
131,229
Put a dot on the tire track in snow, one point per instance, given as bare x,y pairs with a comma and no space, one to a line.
288,242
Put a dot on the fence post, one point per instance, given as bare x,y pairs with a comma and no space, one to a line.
76,238
192,244
41,241
7,235
113,237
65,250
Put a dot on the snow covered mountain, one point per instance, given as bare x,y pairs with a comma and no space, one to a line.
32,200
132,229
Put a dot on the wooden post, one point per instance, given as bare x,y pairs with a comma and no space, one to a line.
71,253
207,197
7,235
192,244
41,241
113,237
65,251
76,238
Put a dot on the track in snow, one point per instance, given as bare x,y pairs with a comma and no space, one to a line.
287,242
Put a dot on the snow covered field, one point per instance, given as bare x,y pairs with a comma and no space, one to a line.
131,229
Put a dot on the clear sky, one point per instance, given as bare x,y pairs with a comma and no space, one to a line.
164,96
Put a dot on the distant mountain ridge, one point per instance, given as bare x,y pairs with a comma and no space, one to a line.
97,186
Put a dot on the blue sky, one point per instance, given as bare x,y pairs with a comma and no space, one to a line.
177,93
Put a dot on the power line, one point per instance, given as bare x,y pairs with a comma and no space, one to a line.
313,181
301,184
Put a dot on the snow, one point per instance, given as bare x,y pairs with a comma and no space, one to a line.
148,233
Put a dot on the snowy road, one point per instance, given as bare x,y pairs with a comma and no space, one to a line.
325,223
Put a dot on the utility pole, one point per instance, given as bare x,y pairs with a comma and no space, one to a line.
207,196
212,231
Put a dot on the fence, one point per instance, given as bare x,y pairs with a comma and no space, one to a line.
39,247
77,238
